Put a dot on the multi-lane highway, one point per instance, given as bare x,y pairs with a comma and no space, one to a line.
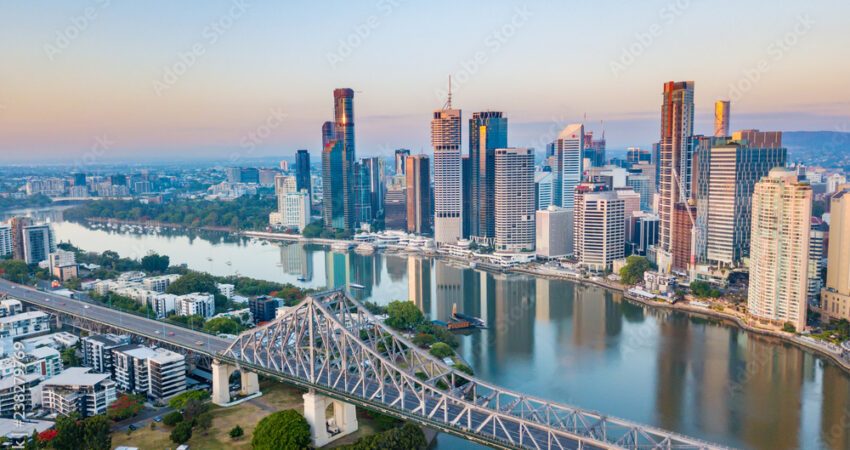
195,341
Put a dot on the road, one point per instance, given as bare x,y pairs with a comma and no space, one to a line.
161,331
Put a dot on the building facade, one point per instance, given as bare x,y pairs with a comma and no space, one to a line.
599,228
568,165
514,195
488,131
554,232
448,175
779,253
835,296
418,189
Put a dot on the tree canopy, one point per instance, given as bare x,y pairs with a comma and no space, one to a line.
194,282
283,430
632,272
403,315
154,262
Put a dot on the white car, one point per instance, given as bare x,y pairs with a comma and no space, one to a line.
86,306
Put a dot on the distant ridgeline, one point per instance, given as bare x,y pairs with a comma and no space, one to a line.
820,148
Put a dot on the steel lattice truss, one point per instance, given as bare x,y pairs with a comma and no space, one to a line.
330,342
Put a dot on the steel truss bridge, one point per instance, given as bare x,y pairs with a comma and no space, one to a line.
330,343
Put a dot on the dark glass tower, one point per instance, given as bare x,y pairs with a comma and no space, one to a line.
333,209
344,132
302,172
487,131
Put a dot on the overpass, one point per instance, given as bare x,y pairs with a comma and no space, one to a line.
330,345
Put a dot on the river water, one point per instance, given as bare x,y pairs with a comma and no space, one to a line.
563,341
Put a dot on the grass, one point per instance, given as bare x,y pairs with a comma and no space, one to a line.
276,397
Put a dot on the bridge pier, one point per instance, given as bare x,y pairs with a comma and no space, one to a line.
221,373
324,431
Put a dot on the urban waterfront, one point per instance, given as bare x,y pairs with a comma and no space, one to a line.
560,340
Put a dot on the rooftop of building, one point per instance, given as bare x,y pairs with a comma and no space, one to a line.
76,376
29,315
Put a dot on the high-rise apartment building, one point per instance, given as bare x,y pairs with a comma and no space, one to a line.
338,161
448,174
6,247
568,164
817,259
515,207
643,185
328,133
835,296
779,249
600,234
721,118
302,172
419,209
725,175
488,131
333,200
39,243
675,148
400,155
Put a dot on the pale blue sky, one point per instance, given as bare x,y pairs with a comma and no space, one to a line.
261,80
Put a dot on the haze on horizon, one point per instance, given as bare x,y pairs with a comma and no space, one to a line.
233,78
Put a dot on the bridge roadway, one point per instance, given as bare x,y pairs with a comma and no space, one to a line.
161,331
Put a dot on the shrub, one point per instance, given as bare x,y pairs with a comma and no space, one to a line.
407,437
283,430
441,350
236,432
172,418
181,433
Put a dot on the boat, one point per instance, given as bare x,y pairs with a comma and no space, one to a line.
301,279
356,286
365,249
472,320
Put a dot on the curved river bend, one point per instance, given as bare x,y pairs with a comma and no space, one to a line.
563,341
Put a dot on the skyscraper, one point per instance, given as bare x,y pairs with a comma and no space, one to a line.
333,202
302,172
594,150
726,173
488,131
344,132
514,186
835,297
327,133
363,212
419,210
400,154
466,185
677,125
374,167
599,231
779,249
568,164
721,118
448,174
39,243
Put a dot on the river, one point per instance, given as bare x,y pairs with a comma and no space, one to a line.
563,341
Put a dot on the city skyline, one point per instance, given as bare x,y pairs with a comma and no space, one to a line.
92,78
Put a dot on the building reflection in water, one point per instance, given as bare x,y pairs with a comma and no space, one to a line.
419,283
337,270
396,268
296,259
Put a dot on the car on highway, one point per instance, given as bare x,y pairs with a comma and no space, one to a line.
157,419
156,331
171,333
86,306
132,427
199,342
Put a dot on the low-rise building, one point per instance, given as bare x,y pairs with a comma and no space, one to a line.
77,390
24,324
17,391
160,283
59,340
195,304
156,372
97,350
226,290
10,307
263,308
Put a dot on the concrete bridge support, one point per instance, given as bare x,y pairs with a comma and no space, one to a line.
324,430
221,373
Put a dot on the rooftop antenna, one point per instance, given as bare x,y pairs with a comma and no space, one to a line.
448,104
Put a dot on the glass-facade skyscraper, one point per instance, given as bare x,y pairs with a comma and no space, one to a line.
302,172
488,131
338,164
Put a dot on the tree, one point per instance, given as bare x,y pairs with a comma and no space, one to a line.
403,315
181,433
15,270
70,358
172,418
224,325
69,433
204,421
702,289
154,262
632,272
193,409
283,430
179,400
424,340
96,433
407,437
441,350
125,406
789,327
236,432
193,282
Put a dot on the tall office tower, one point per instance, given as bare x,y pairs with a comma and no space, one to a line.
543,189
488,131
302,172
817,258
835,297
17,224
448,174
645,233
344,134
333,201
721,118
514,186
328,133
5,239
594,150
466,185
377,184
636,155
400,155
79,179
419,209
599,227
395,208
725,174
677,126
39,243
631,206
363,212
779,249
568,164
553,225
642,184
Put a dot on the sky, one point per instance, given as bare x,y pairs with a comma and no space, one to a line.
101,80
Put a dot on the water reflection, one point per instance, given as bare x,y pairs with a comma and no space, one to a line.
570,343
